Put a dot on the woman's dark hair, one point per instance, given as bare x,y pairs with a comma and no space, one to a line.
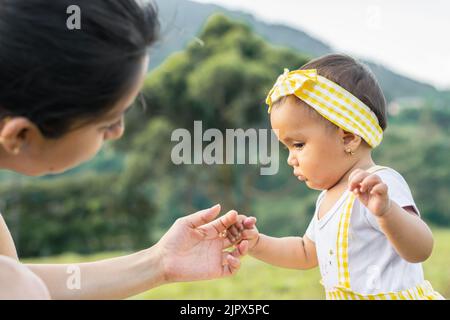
354,77
53,75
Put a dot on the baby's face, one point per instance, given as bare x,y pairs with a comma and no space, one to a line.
316,153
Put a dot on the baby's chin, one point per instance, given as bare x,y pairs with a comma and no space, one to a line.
311,185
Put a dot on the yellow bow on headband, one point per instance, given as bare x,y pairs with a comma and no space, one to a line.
330,100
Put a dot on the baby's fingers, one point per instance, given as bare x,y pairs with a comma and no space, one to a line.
379,189
369,182
229,239
231,260
356,178
250,234
249,223
242,248
234,231
240,222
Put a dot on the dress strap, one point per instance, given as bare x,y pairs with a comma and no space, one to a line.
342,242
342,236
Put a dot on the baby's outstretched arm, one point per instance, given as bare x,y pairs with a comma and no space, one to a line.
408,234
287,252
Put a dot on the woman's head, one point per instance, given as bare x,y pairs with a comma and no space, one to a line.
59,85
319,151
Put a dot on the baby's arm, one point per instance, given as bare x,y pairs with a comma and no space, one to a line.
408,234
287,252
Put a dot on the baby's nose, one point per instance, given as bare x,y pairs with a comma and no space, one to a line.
291,160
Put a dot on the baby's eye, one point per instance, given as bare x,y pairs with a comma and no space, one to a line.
299,145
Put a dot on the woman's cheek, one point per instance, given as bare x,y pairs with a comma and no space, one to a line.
98,145
91,148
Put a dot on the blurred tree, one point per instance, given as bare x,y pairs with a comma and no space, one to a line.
220,79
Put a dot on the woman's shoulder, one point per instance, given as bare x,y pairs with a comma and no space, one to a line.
18,282
7,247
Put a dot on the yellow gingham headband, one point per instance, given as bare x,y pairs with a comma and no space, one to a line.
330,100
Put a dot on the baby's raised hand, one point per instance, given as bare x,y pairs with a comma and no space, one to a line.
244,229
371,191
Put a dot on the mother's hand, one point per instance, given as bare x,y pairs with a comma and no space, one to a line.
193,248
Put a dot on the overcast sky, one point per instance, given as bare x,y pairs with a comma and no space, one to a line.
408,36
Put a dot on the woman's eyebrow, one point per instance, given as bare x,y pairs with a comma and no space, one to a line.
118,114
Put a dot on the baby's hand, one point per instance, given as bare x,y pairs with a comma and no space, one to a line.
244,229
371,191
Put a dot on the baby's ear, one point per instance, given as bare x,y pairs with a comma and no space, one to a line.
15,132
349,139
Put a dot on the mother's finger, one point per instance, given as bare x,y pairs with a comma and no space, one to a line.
202,217
232,266
215,228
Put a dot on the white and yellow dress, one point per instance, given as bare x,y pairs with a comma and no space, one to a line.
356,259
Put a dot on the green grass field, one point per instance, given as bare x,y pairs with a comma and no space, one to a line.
257,280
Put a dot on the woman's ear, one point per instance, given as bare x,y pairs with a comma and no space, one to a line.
350,140
16,133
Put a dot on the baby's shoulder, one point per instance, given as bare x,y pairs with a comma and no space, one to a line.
391,176
398,188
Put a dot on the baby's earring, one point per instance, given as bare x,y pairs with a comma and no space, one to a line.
350,151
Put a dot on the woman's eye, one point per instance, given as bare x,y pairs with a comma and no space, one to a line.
114,126
299,145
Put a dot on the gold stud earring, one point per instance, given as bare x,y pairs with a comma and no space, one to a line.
350,151
16,150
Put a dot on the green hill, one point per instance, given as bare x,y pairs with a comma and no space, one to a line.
182,20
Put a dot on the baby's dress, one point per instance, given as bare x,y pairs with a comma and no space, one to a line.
356,259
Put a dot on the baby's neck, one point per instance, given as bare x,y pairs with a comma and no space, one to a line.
363,163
